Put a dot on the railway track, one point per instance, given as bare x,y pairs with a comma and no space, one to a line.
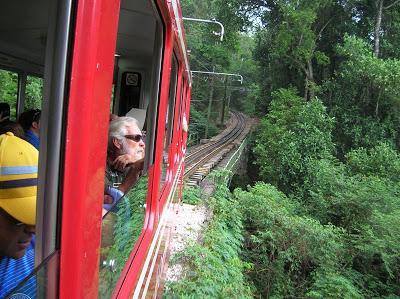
205,157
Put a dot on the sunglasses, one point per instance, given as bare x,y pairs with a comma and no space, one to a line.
135,138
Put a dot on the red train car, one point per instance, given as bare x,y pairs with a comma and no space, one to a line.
77,61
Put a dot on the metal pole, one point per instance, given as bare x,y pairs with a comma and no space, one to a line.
226,74
22,79
229,100
209,106
209,21
224,101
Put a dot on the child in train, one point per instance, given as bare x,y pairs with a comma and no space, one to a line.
18,184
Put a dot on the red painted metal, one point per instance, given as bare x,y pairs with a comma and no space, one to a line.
172,150
86,131
94,43
187,114
131,272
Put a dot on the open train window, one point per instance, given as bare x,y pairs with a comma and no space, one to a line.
179,124
171,101
140,40
9,90
20,91
33,93
169,121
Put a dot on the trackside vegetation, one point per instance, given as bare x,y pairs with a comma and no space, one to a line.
320,217
213,267
321,227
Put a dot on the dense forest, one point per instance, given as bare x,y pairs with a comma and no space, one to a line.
319,214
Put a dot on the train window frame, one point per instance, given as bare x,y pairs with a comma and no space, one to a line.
179,114
13,110
21,91
152,81
172,99
165,169
51,65
57,74
34,77
153,110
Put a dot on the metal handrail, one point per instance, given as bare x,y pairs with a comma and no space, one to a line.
209,21
215,73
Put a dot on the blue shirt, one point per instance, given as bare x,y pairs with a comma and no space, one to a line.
13,271
115,194
32,138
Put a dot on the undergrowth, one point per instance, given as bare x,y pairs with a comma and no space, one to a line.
191,195
213,266
294,255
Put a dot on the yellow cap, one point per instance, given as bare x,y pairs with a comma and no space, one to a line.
18,178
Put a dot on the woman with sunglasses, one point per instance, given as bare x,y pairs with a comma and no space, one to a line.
30,122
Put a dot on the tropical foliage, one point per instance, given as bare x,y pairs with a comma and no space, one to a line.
213,268
323,220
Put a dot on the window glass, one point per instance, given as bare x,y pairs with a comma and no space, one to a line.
9,90
178,127
171,104
33,93
36,284
136,94
169,120
120,229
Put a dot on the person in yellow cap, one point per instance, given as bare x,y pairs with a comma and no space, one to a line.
18,186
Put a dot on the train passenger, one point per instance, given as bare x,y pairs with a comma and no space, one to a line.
30,122
18,184
125,157
13,127
4,113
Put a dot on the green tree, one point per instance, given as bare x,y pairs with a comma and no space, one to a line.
293,133
364,97
285,247
296,40
208,53
333,285
382,161
378,19
9,89
34,93
244,97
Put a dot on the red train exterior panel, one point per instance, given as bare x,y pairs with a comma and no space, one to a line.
89,99
90,92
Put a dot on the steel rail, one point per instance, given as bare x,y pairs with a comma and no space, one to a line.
197,159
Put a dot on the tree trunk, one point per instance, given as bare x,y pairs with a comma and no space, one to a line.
309,91
306,89
377,104
378,23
